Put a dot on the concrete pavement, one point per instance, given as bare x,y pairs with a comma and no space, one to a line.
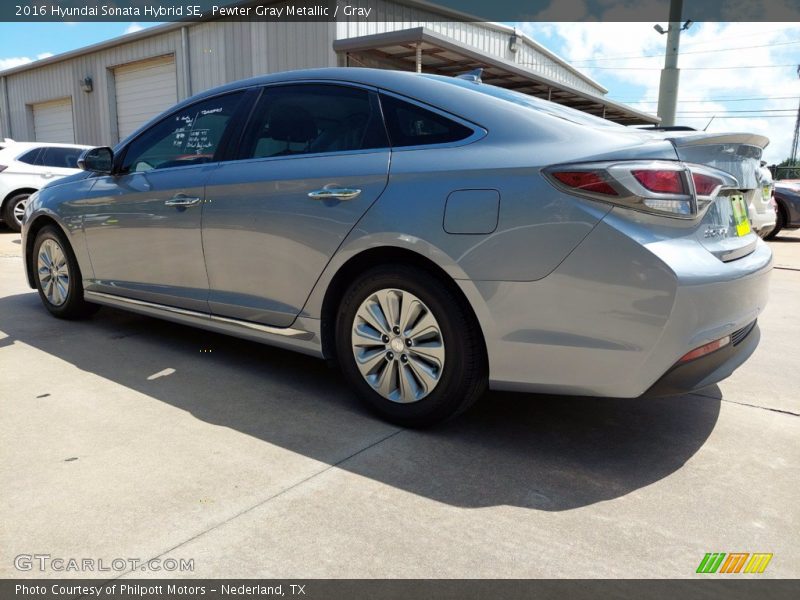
128,437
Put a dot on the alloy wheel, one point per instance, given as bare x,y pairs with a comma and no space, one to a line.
19,209
53,272
398,345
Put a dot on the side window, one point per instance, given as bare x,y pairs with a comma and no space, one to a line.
63,158
313,118
31,157
188,137
411,125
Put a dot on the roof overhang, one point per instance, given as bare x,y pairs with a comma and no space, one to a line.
441,55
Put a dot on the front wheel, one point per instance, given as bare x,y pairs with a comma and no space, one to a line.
409,346
14,210
57,275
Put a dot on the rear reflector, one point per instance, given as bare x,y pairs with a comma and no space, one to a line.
706,349
662,182
585,180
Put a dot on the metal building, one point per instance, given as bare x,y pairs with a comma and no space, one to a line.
101,93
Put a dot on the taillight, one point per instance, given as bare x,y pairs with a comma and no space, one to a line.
663,182
585,180
705,185
669,188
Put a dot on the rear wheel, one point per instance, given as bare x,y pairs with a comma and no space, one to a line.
780,223
14,210
409,346
58,277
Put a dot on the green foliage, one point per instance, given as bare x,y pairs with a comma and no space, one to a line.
787,169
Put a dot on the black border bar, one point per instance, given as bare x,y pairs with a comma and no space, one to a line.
702,587
395,10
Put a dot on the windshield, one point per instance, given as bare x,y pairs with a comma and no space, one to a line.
531,102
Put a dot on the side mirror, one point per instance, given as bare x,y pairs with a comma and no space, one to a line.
97,160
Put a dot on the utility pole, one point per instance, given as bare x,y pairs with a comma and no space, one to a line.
670,74
796,138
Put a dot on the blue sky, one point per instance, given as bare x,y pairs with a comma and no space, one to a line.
29,40
717,75
626,58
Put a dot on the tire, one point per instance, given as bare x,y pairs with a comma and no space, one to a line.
780,223
13,209
53,260
439,353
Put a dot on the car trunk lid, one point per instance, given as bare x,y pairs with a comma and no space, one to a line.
725,229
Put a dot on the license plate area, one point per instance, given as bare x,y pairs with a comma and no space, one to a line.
725,228
741,221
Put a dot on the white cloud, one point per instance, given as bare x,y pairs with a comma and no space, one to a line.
10,63
15,61
703,90
133,28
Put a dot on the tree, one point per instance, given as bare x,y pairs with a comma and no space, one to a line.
787,169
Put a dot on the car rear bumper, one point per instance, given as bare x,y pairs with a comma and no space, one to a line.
616,316
710,369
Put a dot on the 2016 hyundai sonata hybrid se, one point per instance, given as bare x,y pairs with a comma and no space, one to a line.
432,235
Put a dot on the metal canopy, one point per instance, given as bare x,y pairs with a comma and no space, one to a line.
420,49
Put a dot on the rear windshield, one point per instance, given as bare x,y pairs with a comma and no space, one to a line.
531,102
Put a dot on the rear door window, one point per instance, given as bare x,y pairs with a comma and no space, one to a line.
62,158
301,119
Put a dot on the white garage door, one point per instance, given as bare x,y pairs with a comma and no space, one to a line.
52,121
144,89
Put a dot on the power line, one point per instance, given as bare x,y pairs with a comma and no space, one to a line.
725,98
682,53
722,116
765,110
746,35
693,68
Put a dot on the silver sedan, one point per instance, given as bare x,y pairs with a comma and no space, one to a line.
434,236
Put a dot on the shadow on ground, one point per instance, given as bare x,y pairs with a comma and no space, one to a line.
541,452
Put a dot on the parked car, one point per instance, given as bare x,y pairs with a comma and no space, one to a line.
761,205
787,199
27,166
432,235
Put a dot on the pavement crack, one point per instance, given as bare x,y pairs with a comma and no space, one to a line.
261,503
786,268
777,410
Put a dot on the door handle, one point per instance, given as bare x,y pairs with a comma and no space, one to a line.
334,194
182,201
47,175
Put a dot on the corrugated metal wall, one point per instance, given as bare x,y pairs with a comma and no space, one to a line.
219,52
92,111
487,38
223,51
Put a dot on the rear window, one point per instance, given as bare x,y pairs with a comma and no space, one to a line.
531,102
31,157
412,125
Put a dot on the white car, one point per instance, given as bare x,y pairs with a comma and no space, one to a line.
761,207
26,167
